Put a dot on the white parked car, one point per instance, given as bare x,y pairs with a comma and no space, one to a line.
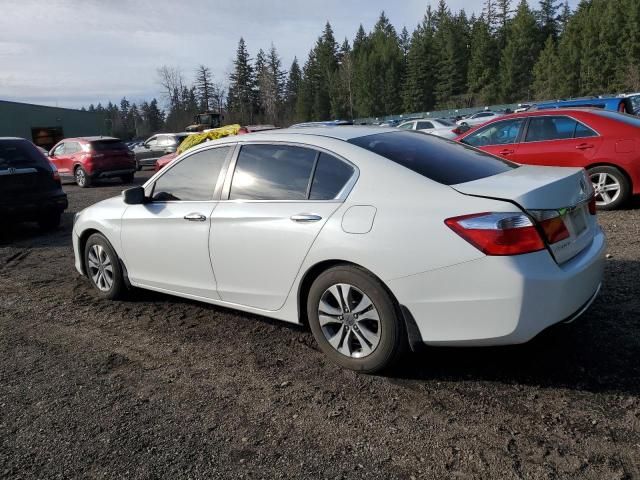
435,126
479,118
374,236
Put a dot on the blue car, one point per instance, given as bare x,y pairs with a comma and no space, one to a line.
621,103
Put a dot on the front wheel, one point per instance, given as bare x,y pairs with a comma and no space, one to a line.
102,266
611,186
354,319
83,180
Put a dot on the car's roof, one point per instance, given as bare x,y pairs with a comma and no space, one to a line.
89,139
342,132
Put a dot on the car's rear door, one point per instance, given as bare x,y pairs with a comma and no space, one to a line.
166,240
557,140
500,137
276,200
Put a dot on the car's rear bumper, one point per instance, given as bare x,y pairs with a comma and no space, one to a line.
113,173
501,300
31,209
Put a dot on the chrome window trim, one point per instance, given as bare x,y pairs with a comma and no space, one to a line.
340,198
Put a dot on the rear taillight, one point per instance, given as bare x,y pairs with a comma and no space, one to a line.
552,224
498,233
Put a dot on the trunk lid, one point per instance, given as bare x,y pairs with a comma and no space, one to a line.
542,192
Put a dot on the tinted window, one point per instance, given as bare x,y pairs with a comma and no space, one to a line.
435,158
272,172
550,128
424,125
583,131
192,179
498,133
20,154
104,145
330,177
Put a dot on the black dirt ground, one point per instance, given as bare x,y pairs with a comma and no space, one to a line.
159,387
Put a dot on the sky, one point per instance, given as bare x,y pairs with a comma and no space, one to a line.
71,53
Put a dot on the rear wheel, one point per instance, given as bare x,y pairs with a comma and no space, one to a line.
83,180
611,187
354,319
102,266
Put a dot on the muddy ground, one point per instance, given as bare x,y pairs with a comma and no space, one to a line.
159,387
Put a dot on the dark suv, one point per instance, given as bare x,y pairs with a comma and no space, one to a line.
157,146
89,158
30,187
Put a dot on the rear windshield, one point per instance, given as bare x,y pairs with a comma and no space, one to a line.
20,154
446,122
102,145
620,117
634,104
440,160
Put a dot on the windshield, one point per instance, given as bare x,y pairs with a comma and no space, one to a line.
440,160
204,119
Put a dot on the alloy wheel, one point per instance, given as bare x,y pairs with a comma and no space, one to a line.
100,267
81,177
607,188
349,320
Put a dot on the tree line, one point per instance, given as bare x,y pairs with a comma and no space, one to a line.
509,52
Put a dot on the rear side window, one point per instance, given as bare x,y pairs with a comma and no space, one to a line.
20,154
192,179
272,172
424,125
330,178
104,145
440,160
550,128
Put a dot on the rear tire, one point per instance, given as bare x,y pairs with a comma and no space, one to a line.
354,320
82,178
102,267
49,221
611,186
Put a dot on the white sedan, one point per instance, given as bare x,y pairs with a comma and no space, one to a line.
376,238
435,126
479,118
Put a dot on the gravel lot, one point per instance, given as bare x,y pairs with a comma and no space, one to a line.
159,387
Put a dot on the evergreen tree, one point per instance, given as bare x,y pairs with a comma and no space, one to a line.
548,18
291,92
418,93
519,54
502,16
204,87
242,86
546,71
483,64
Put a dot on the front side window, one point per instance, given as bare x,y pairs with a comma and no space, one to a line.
407,126
330,177
440,160
152,142
272,172
498,133
192,179
59,150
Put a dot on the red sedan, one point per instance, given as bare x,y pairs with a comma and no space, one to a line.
606,143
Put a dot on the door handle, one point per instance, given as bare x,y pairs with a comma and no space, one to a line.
195,217
505,152
306,217
584,146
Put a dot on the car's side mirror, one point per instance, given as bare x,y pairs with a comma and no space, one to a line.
134,196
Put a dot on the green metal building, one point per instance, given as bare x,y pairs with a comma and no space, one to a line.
45,126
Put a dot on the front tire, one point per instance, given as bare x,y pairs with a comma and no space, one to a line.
611,186
354,320
102,266
83,180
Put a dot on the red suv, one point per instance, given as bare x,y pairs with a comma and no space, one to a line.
89,158
606,143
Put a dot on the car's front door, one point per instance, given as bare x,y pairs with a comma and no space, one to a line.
557,140
500,138
166,240
146,151
60,159
278,199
